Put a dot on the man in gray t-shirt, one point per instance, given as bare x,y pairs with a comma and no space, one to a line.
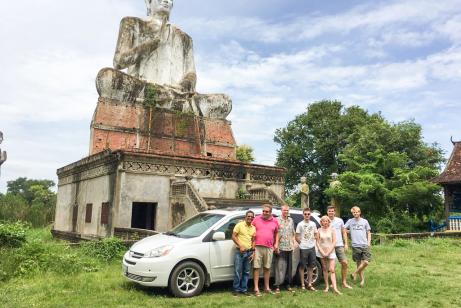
360,241
341,247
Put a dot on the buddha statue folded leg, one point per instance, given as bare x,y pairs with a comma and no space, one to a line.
216,106
116,85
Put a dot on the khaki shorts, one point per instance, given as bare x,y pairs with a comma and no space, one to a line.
340,254
361,253
263,257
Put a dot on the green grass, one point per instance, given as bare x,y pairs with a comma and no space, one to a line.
402,273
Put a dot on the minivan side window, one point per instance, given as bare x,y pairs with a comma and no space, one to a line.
228,227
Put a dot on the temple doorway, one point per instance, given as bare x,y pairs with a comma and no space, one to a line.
143,215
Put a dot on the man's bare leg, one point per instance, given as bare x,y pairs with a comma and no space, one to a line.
344,275
360,269
310,273
256,279
266,272
301,276
354,274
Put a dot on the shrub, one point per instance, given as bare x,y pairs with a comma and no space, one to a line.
244,153
12,234
13,207
398,222
106,249
37,257
40,215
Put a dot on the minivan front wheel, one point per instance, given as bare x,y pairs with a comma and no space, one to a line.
187,280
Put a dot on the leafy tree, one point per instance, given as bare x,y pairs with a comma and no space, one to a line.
311,143
244,153
384,168
28,188
28,200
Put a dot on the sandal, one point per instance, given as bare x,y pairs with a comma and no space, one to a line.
303,287
311,288
277,291
258,294
289,289
270,291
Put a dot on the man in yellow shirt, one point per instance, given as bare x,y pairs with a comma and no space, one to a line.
243,237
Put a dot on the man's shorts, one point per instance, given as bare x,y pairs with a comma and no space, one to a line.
340,254
263,257
307,257
361,253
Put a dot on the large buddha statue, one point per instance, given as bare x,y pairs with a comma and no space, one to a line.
159,61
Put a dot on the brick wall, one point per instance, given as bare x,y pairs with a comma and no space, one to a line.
118,126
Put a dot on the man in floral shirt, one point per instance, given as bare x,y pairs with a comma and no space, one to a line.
284,252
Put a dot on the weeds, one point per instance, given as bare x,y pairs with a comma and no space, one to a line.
12,234
107,249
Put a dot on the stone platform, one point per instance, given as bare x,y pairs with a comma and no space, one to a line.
140,190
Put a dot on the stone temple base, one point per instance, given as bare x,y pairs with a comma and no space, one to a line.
114,190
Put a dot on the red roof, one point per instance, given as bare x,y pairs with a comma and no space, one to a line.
452,172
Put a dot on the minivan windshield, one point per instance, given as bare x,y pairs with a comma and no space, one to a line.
195,226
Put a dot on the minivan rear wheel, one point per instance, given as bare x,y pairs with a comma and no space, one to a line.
187,280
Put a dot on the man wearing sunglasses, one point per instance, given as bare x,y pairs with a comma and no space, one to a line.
243,236
305,236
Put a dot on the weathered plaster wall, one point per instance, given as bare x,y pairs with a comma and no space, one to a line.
93,191
64,203
143,188
209,188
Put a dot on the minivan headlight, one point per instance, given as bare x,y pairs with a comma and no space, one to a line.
159,251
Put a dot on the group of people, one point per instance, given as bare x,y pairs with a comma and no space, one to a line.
258,239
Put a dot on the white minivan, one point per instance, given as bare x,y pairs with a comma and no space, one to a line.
197,252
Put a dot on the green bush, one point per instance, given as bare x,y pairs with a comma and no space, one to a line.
28,200
13,208
40,215
37,257
398,222
12,234
402,243
106,249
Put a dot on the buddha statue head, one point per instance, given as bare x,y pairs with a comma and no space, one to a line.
159,7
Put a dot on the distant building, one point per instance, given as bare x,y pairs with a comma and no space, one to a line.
450,179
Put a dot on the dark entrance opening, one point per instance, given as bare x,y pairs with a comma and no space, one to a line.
143,215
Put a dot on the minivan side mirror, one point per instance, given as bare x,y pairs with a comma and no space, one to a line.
219,236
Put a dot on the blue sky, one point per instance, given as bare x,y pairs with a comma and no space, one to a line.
273,57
